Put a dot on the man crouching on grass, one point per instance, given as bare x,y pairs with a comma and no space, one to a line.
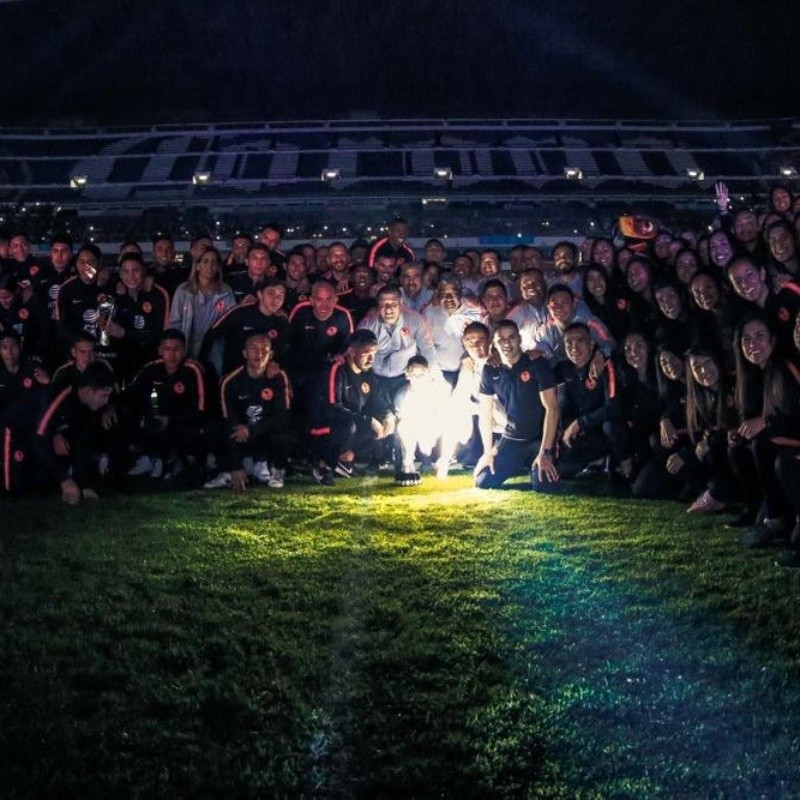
256,422
74,438
525,388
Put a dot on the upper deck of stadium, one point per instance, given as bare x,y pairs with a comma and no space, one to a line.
256,164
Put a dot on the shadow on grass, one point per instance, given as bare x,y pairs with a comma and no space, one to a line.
244,647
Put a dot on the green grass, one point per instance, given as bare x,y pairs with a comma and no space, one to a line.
368,641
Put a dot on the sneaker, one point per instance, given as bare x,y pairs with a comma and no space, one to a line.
143,466
174,469
90,494
261,471
705,504
744,519
219,481
344,469
158,469
407,478
323,476
276,479
766,533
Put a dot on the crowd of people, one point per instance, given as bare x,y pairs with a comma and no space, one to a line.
664,362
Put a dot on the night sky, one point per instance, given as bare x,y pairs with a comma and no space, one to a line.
116,61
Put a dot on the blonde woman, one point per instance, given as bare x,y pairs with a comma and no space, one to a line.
201,301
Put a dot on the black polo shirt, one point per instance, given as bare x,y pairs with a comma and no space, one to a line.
517,388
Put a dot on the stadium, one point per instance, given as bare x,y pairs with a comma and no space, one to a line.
545,179
366,639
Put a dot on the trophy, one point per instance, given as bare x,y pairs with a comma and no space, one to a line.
105,313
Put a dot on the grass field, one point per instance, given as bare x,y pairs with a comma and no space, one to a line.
367,641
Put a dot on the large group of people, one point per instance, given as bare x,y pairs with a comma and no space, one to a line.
664,362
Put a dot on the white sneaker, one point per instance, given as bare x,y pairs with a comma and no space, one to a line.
276,479
261,471
158,468
143,466
220,481
248,466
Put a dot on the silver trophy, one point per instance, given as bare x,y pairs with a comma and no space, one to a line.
105,313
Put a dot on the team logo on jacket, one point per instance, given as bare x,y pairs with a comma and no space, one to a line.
365,388
272,333
179,388
590,383
27,383
24,313
524,376
34,270
267,394
19,456
147,307
332,330
622,304
404,331
220,306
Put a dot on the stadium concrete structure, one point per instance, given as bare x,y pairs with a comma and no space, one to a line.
179,177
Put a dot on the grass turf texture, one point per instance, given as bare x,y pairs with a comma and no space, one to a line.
367,641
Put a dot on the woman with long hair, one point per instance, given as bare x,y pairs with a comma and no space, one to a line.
643,405
655,481
604,301
709,417
200,301
784,253
767,404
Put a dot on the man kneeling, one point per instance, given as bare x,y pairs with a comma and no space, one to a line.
525,388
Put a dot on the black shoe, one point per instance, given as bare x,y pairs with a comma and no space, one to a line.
766,533
790,559
344,469
407,478
323,476
744,519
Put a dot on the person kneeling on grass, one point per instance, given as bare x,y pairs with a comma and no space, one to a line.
591,407
166,405
74,440
352,413
525,388
256,424
422,406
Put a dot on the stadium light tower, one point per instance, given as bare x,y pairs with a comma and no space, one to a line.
201,178
330,175
573,173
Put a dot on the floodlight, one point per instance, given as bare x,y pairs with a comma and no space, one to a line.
443,173
329,175
78,181
695,173
434,201
201,178
787,172
573,173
